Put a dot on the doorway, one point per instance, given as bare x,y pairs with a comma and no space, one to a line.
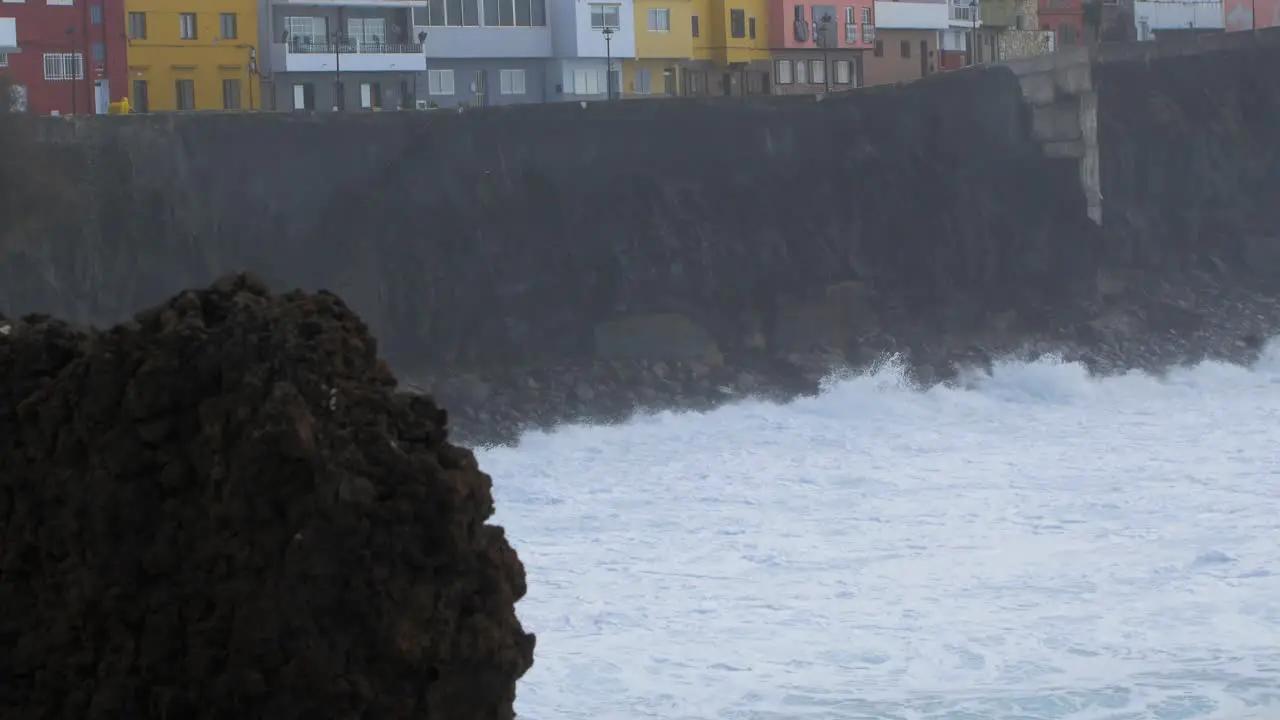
101,96
482,88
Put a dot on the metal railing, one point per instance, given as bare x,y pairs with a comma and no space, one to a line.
299,47
963,13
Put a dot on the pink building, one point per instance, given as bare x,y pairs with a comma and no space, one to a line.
1239,14
819,47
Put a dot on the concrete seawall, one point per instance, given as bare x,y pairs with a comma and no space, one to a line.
689,236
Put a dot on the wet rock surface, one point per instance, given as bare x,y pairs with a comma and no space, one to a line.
222,509
1148,327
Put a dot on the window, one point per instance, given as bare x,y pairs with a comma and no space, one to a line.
99,53
588,82
489,13
904,49
817,72
844,72
643,83
61,2
604,16
782,70
185,93
367,32
801,72
4,59
511,82
95,14
230,94
866,15
738,23
751,28
879,49
63,66
140,102
187,25
306,31
659,20
850,28
227,23
439,82
138,26
697,31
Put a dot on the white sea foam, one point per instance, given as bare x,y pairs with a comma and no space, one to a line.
1035,544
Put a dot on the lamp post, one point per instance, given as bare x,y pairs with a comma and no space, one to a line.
820,37
973,31
607,32
338,91
253,72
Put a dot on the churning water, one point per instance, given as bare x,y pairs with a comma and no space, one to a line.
1037,545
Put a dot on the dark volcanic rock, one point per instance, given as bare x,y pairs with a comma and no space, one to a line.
221,509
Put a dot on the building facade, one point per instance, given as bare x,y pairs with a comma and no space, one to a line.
336,55
958,42
1065,19
192,56
819,48
1025,38
483,52
590,41
63,56
664,48
730,49
1152,19
907,39
1251,14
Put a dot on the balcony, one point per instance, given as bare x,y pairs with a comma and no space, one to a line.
301,56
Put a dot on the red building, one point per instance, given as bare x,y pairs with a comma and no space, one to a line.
818,46
1065,18
64,56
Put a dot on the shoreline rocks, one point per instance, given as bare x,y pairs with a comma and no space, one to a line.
1210,320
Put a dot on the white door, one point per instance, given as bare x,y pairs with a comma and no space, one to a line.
101,96
299,97
366,95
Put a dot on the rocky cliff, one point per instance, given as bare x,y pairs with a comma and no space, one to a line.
587,259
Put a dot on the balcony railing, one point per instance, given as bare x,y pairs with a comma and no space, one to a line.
298,47
850,34
964,13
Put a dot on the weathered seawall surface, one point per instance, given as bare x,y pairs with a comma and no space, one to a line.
702,242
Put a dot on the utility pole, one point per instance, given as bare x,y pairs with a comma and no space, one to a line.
339,93
973,32
608,60
820,38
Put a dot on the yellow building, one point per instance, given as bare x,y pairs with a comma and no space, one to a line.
664,47
731,48
186,55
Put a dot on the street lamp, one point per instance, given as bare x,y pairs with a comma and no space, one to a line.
973,31
820,37
339,94
607,32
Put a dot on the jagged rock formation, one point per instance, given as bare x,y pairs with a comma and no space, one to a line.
222,509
